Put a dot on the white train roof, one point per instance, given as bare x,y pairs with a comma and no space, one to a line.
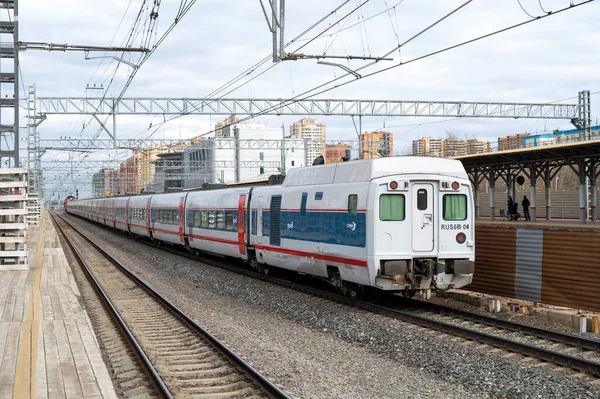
368,169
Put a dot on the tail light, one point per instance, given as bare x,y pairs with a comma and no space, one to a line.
461,238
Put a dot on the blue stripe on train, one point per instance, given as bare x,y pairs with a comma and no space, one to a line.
338,228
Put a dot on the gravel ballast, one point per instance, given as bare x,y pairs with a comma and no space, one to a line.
314,348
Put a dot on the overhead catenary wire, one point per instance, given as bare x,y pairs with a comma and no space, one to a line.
524,10
305,95
260,63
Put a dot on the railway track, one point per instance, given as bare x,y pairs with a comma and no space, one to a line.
180,357
532,343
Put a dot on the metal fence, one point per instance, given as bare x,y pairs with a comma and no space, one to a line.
564,204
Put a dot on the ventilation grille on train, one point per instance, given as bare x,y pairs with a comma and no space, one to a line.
275,238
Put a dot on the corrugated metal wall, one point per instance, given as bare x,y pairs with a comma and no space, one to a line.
495,255
571,266
558,267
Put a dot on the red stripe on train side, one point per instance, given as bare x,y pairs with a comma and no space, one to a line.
215,239
337,259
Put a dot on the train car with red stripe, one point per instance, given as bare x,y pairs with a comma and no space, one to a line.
120,211
402,224
167,213
138,209
216,221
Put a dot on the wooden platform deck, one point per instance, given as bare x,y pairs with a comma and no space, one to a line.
47,345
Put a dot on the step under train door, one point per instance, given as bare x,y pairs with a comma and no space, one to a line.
422,206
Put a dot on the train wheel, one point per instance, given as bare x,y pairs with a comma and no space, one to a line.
267,270
352,290
409,293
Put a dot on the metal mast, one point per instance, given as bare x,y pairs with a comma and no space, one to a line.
9,130
34,160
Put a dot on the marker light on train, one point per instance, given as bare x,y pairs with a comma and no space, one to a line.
455,185
461,238
394,185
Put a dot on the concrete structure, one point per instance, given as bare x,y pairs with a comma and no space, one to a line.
376,145
245,152
147,165
335,152
511,142
104,181
478,147
130,179
315,135
427,146
448,148
168,173
454,148
220,125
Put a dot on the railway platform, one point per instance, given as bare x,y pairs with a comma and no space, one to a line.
48,348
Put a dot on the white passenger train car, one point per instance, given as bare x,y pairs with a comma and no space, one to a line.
397,224
393,223
167,217
216,221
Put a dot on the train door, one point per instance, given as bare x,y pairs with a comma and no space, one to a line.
422,217
127,215
259,220
148,216
241,223
181,219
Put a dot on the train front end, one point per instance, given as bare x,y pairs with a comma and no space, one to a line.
424,229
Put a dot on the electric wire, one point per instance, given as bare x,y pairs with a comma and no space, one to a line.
524,10
251,70
305,94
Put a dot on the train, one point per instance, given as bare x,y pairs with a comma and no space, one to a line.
397,224
67,200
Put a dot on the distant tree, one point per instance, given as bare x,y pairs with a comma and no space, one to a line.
450,135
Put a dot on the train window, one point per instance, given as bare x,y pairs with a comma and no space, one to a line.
211,219
204,219
422,199
220,220
196,218
319,196
352,204
455,207
229,220
303,204
391,207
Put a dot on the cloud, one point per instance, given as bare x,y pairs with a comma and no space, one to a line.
544,61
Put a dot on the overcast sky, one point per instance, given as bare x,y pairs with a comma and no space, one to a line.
544,61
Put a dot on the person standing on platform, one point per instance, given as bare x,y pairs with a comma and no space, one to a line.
525,204
509,207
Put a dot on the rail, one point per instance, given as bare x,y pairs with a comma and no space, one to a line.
265,385
561,359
